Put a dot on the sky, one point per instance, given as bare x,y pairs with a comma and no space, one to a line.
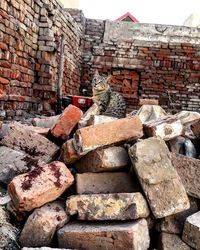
146,11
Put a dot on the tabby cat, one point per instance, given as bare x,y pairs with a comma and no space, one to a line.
110,103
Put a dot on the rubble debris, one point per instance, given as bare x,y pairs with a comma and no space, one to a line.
105,183
12,163
167,128
18,137
93,110
174,224
39,186
68,153
93,137
148,102
171,242
42,224
158,177
45,122
66,122
105,235
189,171
44,248
99,119
121,206
148,113
191,231
101,160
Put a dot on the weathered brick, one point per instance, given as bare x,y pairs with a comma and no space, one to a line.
167,128
93,110
39,186
42,224
105,183
68,153
46,122
19,137
148,102
161,179
66,122
171,241
101,160
189,171
99,119
107,134
191,231
121,206
114,236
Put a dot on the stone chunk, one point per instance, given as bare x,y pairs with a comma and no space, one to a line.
122,206
191,231
189,171
18,137
12,163
99,119
46,122
132,235
93,137
102,160
66,122
158,177
167,128
93,110
68,152
174,224
150,112
171,242
39,186
104,183
42,224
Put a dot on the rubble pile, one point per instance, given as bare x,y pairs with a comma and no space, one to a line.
85,181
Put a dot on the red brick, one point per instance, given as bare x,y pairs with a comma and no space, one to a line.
118,131
3,46
66,122
68,153
4,80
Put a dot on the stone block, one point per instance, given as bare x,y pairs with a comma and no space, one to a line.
158,177
150,112
42,224
103,160
188,117
68,153
105,183
105,235
148,102
46,122
18,137
121,206
171,242
108,133
167,128
12,163
43,184
93,110
99,119
66,122
191,231
189,171
174,224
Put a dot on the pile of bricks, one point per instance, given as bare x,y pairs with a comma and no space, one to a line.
85,181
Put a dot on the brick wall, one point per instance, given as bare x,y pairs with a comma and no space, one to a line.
163,60
30,35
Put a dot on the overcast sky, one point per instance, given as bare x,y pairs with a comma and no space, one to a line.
146,11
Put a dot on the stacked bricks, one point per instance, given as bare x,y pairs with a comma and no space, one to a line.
30,54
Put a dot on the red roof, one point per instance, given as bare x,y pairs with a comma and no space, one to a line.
121,18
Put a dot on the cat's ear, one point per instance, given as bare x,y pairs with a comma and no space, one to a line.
96,73
108,78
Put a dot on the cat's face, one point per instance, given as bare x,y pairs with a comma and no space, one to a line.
99,83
